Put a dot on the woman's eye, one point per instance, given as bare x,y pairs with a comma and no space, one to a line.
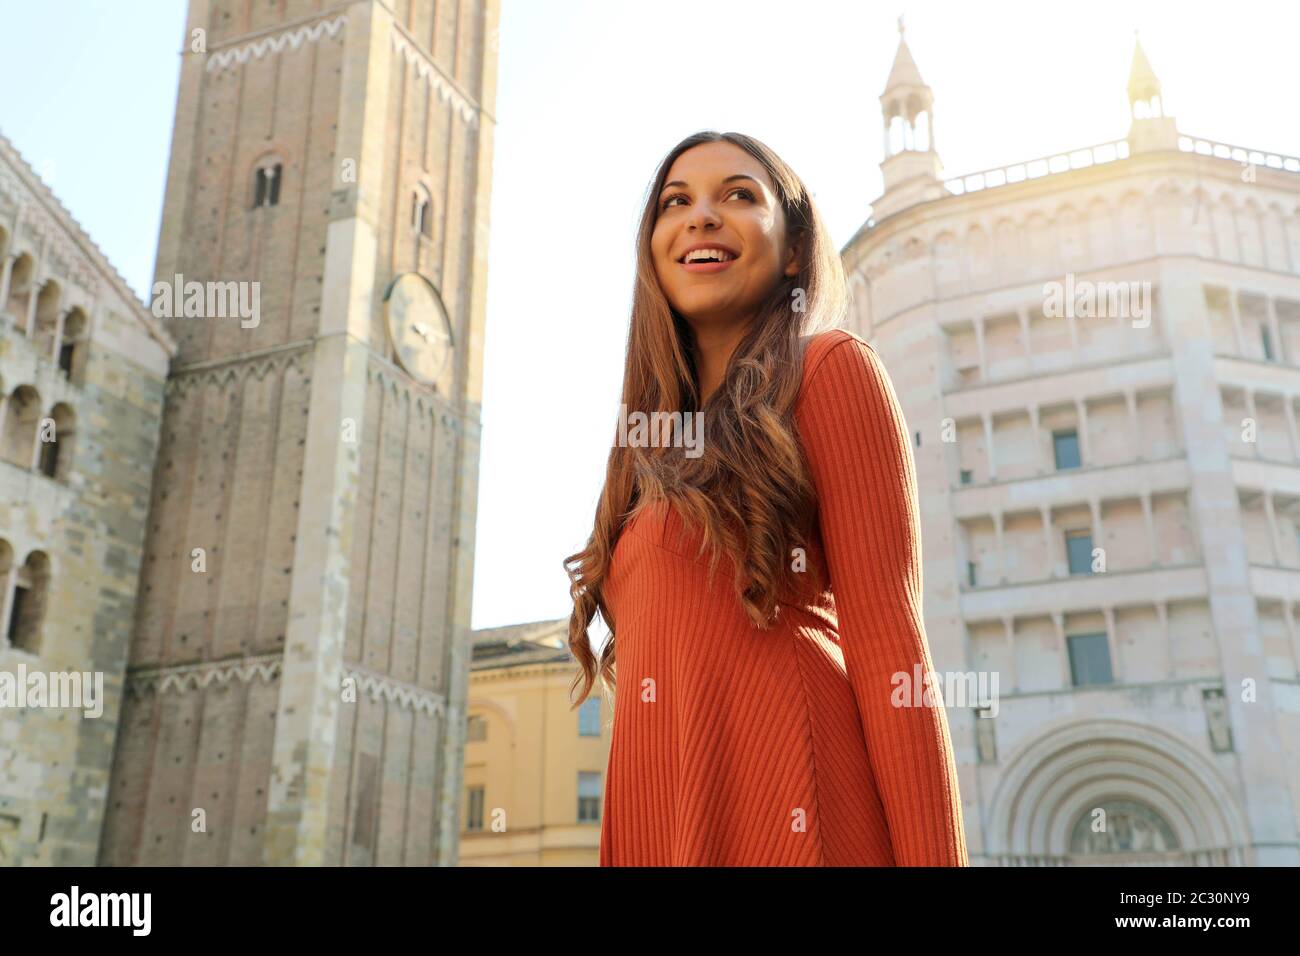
739,189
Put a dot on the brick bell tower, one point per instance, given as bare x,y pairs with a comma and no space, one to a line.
300,657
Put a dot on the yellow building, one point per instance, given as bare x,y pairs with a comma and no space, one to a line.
534,768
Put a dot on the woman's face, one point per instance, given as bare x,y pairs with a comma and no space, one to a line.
716,195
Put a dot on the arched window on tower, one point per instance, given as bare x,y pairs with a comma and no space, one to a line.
921,136
56,454
266,182
70,348
27,603
20,290
897,135
47,317
422,212
22,416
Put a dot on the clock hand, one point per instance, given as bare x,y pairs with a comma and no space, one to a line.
423,330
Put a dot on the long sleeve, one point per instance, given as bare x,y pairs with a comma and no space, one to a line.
860,457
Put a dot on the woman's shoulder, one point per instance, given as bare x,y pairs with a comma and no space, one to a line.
820,347
847,407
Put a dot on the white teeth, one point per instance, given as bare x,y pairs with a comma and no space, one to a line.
695,254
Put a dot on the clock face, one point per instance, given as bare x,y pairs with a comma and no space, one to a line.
418,326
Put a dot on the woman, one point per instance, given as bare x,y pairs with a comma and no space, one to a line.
756,723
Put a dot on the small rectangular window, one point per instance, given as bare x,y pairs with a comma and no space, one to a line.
589,718
588,797
474,809
1066,446
1078,548
1089,659
475,728
1267,342
266,186
970,572
966,476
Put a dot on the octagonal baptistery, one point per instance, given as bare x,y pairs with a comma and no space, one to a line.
1098,357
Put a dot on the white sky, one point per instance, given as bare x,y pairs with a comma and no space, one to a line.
590,97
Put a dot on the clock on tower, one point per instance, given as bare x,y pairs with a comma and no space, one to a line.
418,326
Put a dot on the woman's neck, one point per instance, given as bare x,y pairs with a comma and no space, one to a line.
714,346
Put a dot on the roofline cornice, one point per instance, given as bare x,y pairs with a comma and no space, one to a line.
54,208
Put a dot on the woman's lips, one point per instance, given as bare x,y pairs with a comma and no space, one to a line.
707,266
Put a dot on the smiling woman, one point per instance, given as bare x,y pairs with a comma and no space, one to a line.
720,213
757,723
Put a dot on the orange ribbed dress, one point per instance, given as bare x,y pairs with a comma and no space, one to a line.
734,746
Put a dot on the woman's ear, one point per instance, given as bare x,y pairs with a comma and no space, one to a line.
792,263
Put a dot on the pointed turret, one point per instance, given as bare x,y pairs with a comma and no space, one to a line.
904,71
911,168
1152,130
1143,84
904,102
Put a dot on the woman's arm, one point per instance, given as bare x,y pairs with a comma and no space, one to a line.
860,456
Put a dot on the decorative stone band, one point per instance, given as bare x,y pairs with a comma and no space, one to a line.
277,361
424,399
428,71
224,58
187,677
381,686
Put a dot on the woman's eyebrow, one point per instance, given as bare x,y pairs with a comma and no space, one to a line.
733,176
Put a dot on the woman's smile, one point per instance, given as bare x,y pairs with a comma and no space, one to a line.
707,258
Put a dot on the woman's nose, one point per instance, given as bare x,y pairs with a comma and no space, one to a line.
703,214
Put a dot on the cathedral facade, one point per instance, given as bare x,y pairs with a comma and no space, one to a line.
299,664
82,371
1098,354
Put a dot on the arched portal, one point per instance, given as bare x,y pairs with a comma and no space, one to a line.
1161,801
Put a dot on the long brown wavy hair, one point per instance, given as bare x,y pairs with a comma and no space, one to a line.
749,493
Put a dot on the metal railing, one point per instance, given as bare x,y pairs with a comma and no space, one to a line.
1037,168
1241,154
1105,153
